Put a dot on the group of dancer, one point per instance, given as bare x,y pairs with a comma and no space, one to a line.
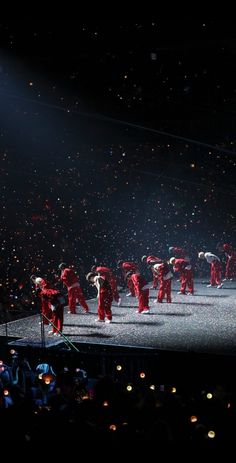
53,301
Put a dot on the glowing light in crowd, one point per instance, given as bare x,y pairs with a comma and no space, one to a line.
112,427
47,378
193,419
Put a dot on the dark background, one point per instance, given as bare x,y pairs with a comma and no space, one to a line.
117,139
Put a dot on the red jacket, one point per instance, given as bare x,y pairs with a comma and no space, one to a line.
153,259
69,277
163,271
129,267
228,249
181,265
103,271
139,282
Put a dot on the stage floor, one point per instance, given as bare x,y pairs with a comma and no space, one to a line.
205,322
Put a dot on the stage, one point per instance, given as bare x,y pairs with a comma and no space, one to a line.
203,323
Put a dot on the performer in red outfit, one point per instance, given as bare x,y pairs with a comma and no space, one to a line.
186,274
75,292
105,296
141,291
55,301
106,273
126,268
165,276
40,284
152,260
216,268
230,269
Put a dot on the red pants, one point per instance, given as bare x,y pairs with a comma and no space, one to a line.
115,293
155,281
73,295
143,300
104,304
57,319
186,279
165,290
46,310
131,287
230,268
215,273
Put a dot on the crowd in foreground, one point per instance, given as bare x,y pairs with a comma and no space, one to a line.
46,402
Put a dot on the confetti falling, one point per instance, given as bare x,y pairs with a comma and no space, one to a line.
77,188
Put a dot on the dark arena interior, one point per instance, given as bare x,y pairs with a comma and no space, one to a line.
117,155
